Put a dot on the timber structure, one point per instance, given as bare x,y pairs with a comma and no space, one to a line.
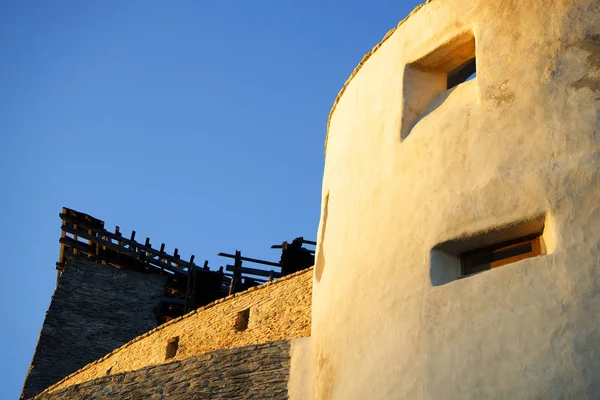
189,285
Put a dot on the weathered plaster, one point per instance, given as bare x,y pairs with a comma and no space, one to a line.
301,379
518,141
360,64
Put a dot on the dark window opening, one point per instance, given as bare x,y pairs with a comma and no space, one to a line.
427,80
498,255
172,347
463,73
469,254
241,322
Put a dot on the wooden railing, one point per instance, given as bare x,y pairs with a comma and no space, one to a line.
240,279
189,286
107,247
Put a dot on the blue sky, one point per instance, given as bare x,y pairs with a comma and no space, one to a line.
199,124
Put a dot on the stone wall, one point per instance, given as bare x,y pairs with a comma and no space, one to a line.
251,372
94,310
277,310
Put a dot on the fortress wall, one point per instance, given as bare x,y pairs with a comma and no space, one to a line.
94,310
278,310
250,372
404,174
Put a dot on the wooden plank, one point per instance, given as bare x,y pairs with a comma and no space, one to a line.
153,252
72,243
133,254
127,242
278,246
81,219
171,300
253,260
253,271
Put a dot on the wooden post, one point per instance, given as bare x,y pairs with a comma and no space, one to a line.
162,250
177,256
76,238
190,287
237,276
63,234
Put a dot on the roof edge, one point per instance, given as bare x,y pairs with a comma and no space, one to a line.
362,62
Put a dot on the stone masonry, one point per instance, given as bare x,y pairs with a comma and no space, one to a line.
94,310
274,311
251,372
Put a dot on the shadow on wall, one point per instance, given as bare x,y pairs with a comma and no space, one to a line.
320,264
431,79
435,103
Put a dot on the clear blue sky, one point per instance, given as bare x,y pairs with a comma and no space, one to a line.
197,123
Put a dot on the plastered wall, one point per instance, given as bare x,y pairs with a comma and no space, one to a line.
519,142
278,310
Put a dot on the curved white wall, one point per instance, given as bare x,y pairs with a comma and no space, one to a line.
520,141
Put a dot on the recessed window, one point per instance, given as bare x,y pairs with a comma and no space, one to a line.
172,347
467,255
429,80
241,322
500,254
463,73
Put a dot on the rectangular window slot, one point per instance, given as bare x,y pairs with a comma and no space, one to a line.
501,254
429,80
463,73
472,254
241,322
172,347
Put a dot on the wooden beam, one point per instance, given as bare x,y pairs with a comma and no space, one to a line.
253,260
253,271
134,255
132,245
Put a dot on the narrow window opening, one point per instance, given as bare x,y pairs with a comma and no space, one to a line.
428,80
241,322
480,260
108,371
465,72
471,254
172,347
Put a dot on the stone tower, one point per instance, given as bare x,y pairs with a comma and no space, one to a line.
459,242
